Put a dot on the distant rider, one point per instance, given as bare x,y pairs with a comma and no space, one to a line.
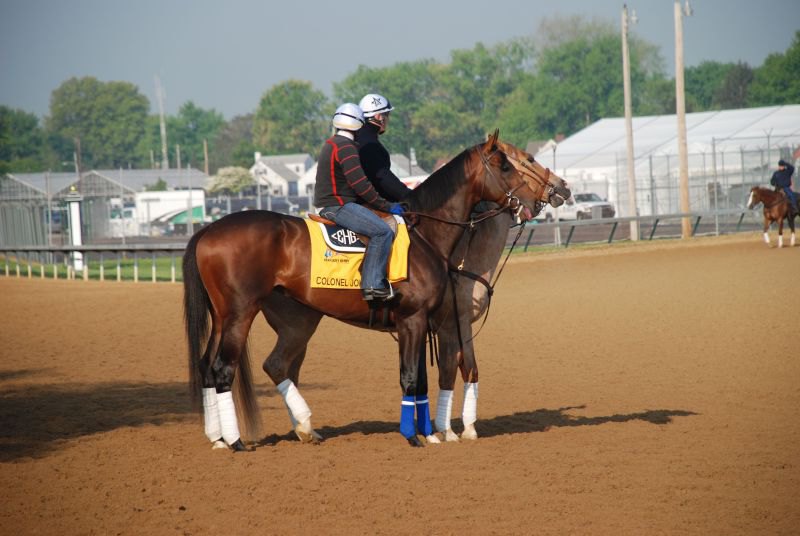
340,185
782,180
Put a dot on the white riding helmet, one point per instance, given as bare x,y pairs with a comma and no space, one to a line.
348,116
373,104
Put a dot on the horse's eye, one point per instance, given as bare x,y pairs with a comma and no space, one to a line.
505,167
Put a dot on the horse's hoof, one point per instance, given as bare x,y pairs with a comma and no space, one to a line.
415,441
218,444
305,437
306,434
238,446
450,436
432,440
469,433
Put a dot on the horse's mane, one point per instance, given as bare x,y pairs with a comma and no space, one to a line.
439,187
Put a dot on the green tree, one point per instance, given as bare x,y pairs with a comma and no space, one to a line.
159,186
188,129
777,80
108,118
230,179
733,91
578,80
407,85
233,144
291,117
21,141
702,82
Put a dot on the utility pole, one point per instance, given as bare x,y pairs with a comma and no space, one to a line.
178,156
680,110
205,155
160,99
626,83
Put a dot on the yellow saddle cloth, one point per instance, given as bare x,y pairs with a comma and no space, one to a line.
338,269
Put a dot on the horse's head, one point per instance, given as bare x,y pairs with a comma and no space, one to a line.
754,198
519,181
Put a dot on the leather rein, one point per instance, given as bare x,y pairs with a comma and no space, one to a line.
512,204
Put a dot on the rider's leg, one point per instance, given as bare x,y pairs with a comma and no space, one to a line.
362,220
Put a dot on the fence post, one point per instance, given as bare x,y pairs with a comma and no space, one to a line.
172,269
153,266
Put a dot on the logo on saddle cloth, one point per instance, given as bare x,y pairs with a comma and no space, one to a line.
337,253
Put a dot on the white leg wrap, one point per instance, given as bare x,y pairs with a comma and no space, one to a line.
227,418
291,417
211,414
780,241
766,238
444,411
298,409
470,412
792,241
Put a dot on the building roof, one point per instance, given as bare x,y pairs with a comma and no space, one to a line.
400,166
289,167
603,143
109,181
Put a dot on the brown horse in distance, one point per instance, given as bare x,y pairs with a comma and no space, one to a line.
259,261
776,209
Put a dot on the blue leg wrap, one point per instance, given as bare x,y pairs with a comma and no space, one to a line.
423,416
407,417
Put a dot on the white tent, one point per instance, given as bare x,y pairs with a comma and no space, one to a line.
729,148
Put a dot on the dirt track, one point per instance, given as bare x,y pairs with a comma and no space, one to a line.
633,390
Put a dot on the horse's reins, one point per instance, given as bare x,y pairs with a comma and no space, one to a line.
512,204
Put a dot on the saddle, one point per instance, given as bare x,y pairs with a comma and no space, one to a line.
341,239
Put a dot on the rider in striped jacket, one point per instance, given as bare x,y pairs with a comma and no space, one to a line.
341,193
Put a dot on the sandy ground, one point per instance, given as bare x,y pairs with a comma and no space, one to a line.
646,389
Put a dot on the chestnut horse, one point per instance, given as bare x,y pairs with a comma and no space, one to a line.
776,209
260,261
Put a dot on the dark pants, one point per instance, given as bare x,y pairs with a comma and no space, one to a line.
791,195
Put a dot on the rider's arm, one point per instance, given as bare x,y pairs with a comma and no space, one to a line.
358,181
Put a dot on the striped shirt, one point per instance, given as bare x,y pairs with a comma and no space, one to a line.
340,178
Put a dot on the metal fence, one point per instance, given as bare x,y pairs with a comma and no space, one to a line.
719,179
161,261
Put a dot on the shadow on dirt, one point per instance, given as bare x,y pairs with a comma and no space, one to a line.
36,420
539,420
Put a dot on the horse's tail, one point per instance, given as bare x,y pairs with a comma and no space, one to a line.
244,395
196,308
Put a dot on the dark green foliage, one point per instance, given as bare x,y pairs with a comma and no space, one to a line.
571,78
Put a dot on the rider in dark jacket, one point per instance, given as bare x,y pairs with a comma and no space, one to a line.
374,156
782,180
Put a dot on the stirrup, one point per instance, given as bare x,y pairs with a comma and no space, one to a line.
378,294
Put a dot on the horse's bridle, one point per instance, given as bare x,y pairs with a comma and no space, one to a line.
528,174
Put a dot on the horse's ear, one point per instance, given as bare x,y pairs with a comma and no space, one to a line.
491,141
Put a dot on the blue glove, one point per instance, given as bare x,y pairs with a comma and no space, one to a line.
396,209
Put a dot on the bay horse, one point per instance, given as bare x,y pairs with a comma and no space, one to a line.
257,261
776,209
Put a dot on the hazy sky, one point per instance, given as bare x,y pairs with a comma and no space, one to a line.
225,54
